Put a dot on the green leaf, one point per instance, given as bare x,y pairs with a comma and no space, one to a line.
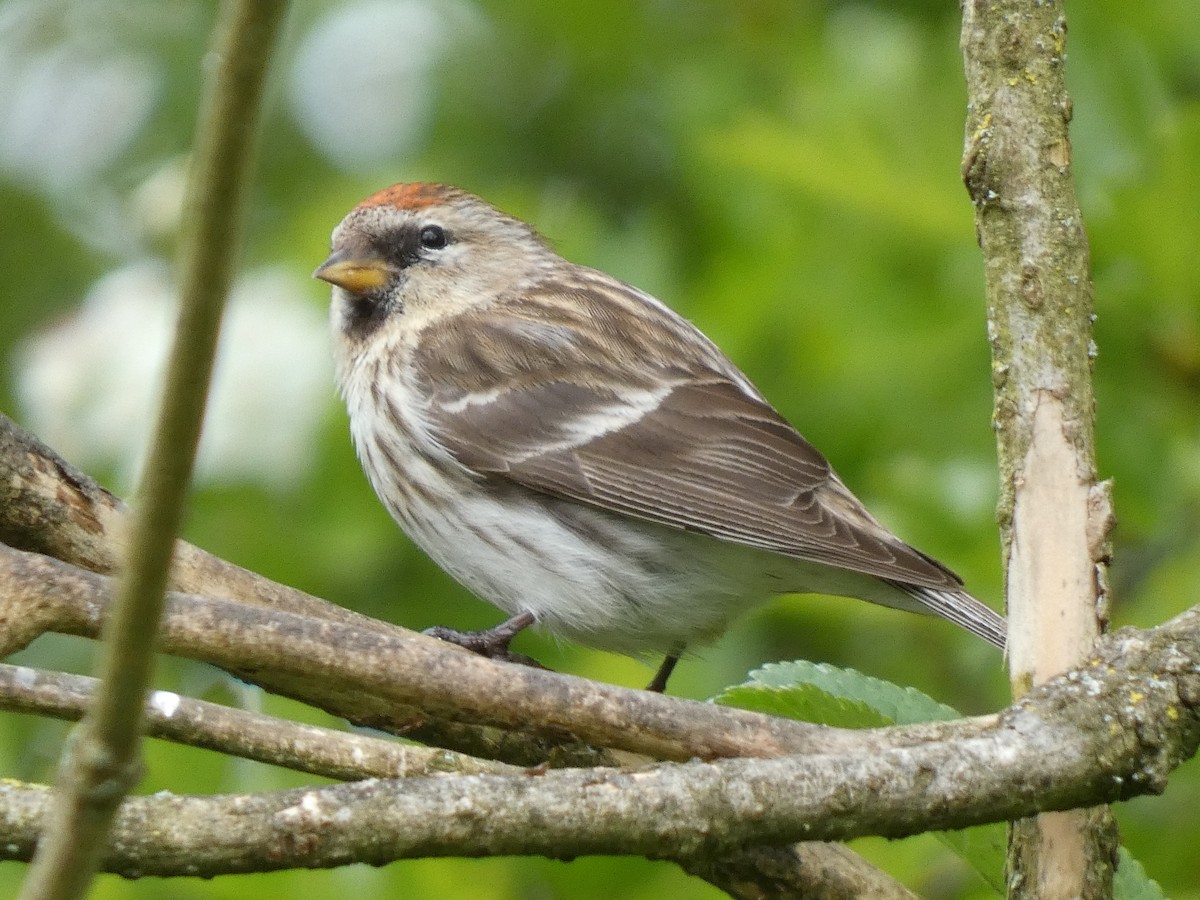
846,698
983,848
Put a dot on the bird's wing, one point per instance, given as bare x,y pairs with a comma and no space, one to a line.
652,425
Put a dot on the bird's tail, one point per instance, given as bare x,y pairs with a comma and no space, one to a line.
962,609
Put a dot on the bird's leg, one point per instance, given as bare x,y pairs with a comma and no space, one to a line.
491,642
659,683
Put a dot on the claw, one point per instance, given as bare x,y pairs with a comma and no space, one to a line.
491,642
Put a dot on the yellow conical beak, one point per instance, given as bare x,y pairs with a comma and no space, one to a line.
358,276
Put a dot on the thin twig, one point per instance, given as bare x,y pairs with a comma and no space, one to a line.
236,732
101,762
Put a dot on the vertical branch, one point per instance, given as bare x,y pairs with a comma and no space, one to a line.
1055,517
102,761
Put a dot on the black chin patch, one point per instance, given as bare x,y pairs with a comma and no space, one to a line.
364,314
401,248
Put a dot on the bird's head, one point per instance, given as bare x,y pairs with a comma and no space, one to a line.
422,252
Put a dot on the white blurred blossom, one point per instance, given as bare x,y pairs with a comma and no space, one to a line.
68,106
362,85
90,384
155,207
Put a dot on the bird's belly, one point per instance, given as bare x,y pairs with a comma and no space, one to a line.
592,576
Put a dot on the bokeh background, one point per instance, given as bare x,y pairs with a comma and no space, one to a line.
786,174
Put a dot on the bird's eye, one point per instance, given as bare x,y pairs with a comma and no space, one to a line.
433,237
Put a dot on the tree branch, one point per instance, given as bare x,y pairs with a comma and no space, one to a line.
236,732
48,506
362,675
1109,731
806,871
1055,515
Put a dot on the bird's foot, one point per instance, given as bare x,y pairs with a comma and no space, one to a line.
490,642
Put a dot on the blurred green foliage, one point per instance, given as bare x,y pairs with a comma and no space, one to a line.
784,173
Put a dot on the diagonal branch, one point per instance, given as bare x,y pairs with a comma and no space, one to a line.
1109,731
50,507
363,675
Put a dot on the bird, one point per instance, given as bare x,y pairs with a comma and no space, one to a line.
579,455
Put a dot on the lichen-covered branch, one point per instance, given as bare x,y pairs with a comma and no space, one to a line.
1055,514
1108,731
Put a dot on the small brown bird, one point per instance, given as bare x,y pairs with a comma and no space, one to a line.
578,454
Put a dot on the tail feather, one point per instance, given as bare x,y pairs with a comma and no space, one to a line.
964,610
